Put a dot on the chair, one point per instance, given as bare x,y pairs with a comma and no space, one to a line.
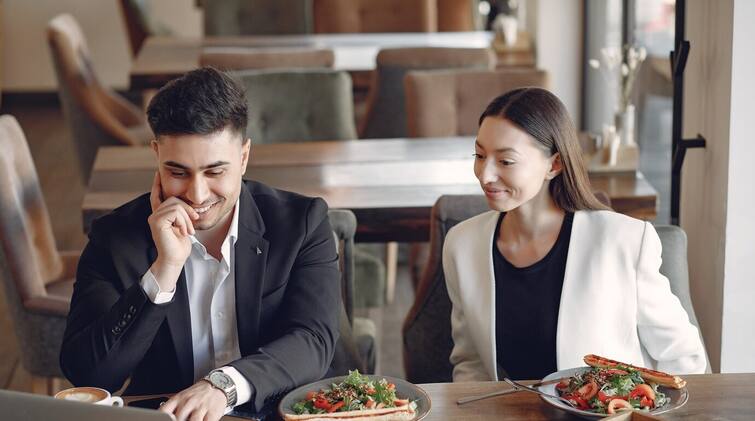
427,327
139,25
356,345
38,279
298,105
243,59
386,113
449,102
96,115
457,15
257,17
355,16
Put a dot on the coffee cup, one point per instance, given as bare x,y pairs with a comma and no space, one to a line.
93,395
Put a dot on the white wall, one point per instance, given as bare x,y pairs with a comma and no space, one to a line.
717,189
558,39
26,63
737,340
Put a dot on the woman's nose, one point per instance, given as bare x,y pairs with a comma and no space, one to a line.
487,172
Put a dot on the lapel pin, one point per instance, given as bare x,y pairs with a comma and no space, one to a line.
259,251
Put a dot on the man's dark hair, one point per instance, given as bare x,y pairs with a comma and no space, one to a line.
203,101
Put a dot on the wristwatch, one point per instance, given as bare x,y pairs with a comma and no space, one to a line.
224,382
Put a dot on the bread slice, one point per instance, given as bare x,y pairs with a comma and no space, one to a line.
650,376
399,413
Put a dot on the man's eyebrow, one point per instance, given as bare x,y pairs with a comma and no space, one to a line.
174,164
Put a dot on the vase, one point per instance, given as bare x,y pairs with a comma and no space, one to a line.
625,125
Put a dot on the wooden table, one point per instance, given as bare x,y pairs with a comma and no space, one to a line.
712,397
390,184
164,58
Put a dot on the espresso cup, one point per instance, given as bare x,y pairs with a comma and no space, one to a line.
93,395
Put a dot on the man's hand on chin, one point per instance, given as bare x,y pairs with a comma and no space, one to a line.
200,402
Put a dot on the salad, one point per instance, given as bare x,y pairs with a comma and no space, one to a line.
355,393
608,390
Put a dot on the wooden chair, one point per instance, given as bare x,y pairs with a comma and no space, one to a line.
449,102
355,16
139,25
38,279
268,58
96,115
427,327
257,17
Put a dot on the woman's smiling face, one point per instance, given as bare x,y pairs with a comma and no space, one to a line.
511,165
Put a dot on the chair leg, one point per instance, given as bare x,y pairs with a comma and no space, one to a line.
391,263
41,385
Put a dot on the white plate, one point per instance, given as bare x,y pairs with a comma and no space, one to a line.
678,396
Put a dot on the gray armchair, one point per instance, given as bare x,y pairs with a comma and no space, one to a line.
257,17
356,345
427,327
38,279
298,105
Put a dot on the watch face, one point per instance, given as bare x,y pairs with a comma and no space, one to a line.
221,380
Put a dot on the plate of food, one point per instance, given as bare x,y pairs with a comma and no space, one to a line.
356,397
606,387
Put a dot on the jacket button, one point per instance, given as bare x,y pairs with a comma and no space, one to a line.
122,323
128,316
132,310
116,330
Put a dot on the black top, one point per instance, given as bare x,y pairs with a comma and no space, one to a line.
526,308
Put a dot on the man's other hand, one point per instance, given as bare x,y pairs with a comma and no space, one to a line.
200,402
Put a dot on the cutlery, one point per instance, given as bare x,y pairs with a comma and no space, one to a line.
519,386
468,399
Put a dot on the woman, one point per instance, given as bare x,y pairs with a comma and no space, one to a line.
550,274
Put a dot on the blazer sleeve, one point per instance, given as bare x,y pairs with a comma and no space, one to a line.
464,357
109,329
310,321
662,323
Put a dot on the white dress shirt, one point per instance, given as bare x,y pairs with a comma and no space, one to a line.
211,286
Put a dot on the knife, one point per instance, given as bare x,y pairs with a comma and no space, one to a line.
468,399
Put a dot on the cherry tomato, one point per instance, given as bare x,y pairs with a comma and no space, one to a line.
603,397
335,406
370,404
588,390
322,404
642,390
563,384
311,395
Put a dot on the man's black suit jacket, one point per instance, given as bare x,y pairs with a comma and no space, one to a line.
287,301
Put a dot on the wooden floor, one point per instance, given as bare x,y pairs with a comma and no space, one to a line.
57,169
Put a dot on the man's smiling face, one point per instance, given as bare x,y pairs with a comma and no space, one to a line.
204,171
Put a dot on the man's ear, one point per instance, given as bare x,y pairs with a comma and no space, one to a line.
154,145
556,166
246,153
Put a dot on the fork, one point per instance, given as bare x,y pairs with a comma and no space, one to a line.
519,386
468,399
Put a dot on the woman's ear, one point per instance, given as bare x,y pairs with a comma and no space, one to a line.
556,166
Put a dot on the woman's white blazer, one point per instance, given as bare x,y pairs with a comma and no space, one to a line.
614,302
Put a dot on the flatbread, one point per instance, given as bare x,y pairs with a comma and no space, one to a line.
399,413
651,376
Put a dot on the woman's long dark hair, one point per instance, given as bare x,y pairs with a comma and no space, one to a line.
542,115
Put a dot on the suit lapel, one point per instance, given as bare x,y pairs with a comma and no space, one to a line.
250,262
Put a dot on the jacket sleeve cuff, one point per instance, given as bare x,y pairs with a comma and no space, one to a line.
152,289
243,387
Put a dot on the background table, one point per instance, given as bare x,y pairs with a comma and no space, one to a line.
390,184
164,58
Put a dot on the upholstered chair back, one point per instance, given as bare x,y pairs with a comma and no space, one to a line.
257,17
449,102
96,115
386,112
354,16
298,105
457,15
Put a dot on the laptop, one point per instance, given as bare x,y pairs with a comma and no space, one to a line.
17,406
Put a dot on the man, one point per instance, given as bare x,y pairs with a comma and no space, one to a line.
221,290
